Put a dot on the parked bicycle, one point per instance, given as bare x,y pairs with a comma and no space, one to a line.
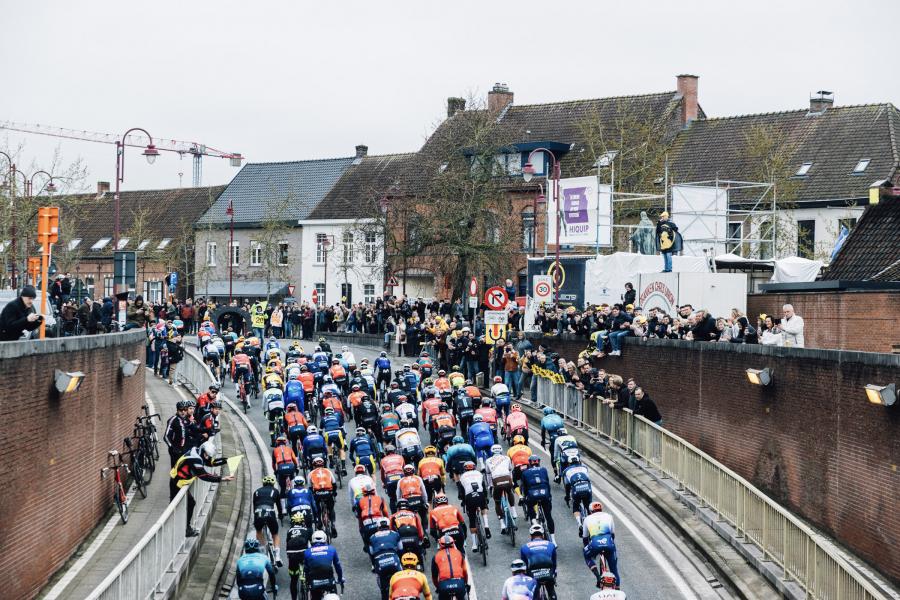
120,498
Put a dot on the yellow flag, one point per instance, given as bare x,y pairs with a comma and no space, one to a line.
233,463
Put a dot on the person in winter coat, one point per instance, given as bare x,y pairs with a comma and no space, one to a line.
137,315
19,316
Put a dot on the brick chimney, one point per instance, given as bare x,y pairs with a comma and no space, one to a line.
454,105
822,101
361,150
687,89
499,97
102,188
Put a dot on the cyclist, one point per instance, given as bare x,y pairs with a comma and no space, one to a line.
384,552
367,415
535,486
516,423
457,379
474,500
252,568
465,405
362,450
349,357
519,453
389,425
520,586
370,510
409,584
204,400
608,590
550,426
481,438
409,525
432,471
579,489
307,380
425,363
368,377
272,380
326,347
501,396
329,389
324,488
489,415
300,500
499,467
273,401
296,543
382,371
448,571
539,556
391,466
412,489
442,426
294,352
313,446
294,393
446,519
394,393
599,537
408,443
338,373
456,456
358,380
212,358
355,397
296,425
284,464
208,424
322,567
565,448
407,411
333,428
241,368
430,408
358,483
266,513
272,344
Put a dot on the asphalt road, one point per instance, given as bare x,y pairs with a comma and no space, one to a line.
653,562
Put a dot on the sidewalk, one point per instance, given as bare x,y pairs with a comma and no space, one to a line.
110,541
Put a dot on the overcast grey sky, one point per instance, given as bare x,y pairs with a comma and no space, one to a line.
296,80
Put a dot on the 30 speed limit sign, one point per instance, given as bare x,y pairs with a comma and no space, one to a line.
543,288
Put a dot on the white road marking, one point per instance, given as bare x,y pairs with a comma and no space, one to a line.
664,564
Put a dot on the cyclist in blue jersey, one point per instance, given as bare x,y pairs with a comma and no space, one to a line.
313,446
481,438
293,393
252,568
384,552
362,451
322,567
539,556
579,489
382,370
550,426
299,499
521,585
599,537
535,487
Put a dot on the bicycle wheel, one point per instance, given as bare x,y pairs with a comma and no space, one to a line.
510,524
121,502
154,442
301,585
482,539
137,472
147,465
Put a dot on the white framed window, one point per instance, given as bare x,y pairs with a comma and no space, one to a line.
163,243
89,287
371,247
348,247
153,291
321,247
72,244
143,245
122,243
528,239
235,254
108,286
368,293
514,163
861,166
803,170
256,251
101,244
283,254
320,294
211,254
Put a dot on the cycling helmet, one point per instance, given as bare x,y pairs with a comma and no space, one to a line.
515,407
344,348
386,407
458,439
402,398
215,404
251,544
383,354
335,361
429,381
440,499
442,373
468,382
355,387
534,459
329,410
607,579
518,440
595,507
384,524
208,448
280,440
402,504
214,388
359,470
574,460
312,429
389,449
356,372
182,405
562,431
297,518
409,560
518,566
536,529
318,462
368,490
406,367
327,379
548,410
319,537
477,419
269,370
299,481
496,449
443,406
304,368
469,465
394,385
360,431
430,451
408,470
269,480
446,541
498,379
405,424
455,368
317,348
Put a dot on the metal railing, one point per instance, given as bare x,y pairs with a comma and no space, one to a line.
140,572
781,537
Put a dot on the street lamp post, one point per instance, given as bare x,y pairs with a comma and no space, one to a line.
607,159
150,153
230,212
527,175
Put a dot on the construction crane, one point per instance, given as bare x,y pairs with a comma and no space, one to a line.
196,150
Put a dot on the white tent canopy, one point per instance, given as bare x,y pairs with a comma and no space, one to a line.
795,269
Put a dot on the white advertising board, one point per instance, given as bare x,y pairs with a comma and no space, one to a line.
716,292
496,317
701,214
658,290
606,275
586,212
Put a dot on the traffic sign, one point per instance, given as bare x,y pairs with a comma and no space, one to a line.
543,288
315,297
173,278
496,298
473,301
291,289
493,333
495,317
473,287
392,282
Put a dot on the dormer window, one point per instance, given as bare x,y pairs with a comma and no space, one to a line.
122,243
101,244
162,245
803,170
143,245
861,166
